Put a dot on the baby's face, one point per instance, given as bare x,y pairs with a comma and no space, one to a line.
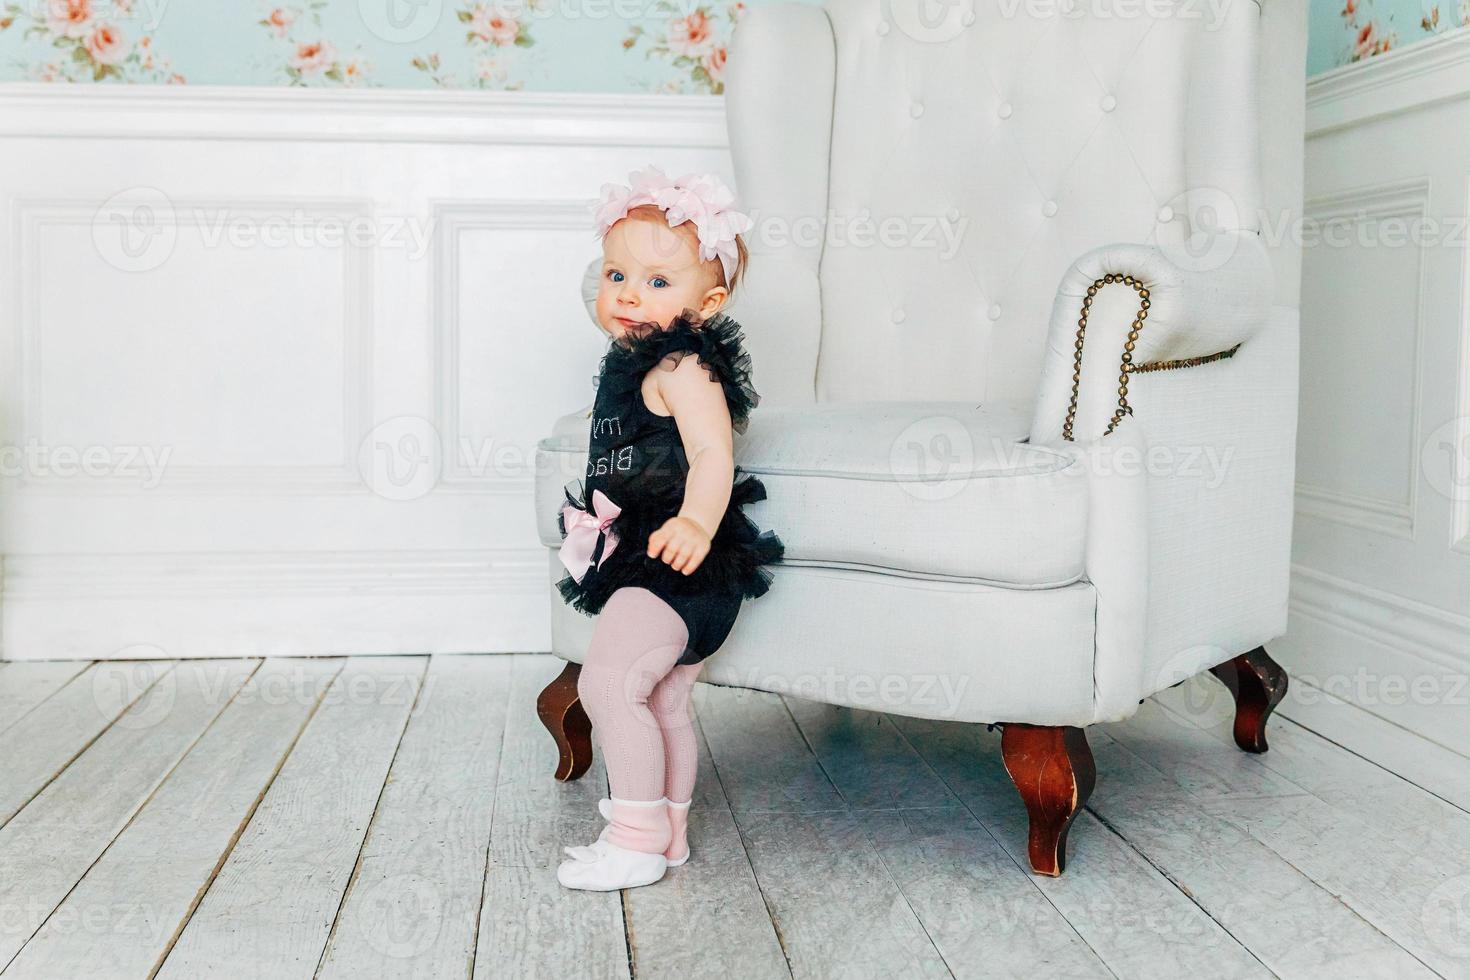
651,272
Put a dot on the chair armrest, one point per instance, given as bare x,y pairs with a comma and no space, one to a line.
1219,451
1134,308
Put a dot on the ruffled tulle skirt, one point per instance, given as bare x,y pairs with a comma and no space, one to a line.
736,563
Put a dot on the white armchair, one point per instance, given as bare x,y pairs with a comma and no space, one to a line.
1004,500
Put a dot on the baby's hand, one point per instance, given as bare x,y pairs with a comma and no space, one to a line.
681,543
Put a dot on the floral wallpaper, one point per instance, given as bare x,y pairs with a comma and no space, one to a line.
1342,32
545,45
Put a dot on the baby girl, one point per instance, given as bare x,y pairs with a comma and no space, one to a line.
654,539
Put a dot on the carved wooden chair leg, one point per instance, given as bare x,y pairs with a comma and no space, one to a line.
560,710
1258,684
1052,768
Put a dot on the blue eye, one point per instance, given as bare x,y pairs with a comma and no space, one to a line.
615,275
657,279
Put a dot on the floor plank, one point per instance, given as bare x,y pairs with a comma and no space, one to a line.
43,743
1438,769
1294,925
714,896
1128,912
986,917
397,817
530,926
836,907
1389,852
121,918
414,902
49,845
271,907
25,685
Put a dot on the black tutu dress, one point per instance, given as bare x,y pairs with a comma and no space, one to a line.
637,460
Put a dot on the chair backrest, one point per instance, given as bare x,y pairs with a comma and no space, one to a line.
976,153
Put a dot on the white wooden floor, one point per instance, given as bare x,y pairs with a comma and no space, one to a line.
383,817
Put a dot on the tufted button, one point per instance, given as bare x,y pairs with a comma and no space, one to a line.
899,314
882,27
968,18
994,311
1004,111
916,109
1109,103
1166,214
1049,208
953,214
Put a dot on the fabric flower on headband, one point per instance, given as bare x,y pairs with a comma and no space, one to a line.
701,198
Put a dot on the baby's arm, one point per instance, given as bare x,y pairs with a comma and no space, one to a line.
698,405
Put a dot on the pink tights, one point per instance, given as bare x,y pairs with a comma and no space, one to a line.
638,701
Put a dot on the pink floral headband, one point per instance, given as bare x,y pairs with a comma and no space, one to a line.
701,198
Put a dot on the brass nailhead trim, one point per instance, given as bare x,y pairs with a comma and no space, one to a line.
1125,370
1184,362
1127,366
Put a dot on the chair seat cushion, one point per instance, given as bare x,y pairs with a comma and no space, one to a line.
927,489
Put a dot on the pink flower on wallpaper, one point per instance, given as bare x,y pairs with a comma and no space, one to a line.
714,65
87,48
1369,38
495,39
107,45
69,18
280,21
694,43
313,57
492,24
691,36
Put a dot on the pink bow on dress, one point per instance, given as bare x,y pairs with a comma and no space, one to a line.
582,531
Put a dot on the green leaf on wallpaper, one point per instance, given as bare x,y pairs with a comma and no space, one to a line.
464,16
524,41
